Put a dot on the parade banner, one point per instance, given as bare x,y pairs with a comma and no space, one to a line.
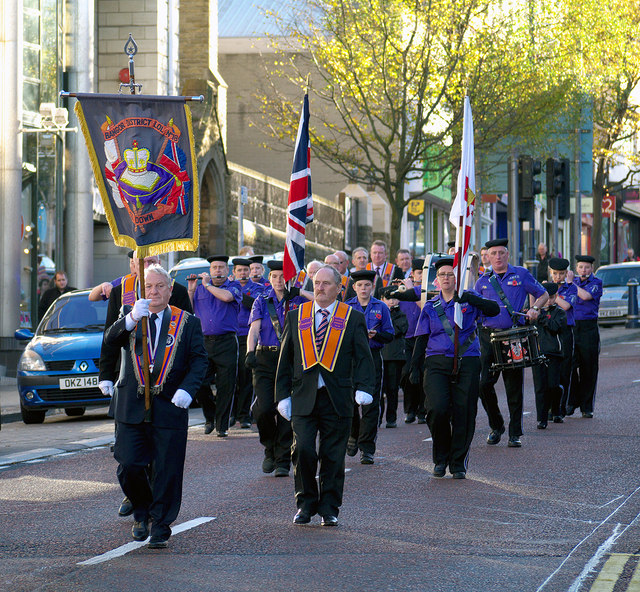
142,153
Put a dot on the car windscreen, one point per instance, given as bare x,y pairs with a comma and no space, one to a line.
617,276
74,315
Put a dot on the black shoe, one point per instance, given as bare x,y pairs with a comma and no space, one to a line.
514,442
222,434
158,542
245,425
495,436
422,419
410,418
439,470
557,419
329,521
268,465
366,458
587,415
282,472
208,427
542,425
126,507
459,475
301,517
392,424
570,410
140,530
352,447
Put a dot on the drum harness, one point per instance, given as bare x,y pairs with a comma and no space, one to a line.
437,305
498,288
275,321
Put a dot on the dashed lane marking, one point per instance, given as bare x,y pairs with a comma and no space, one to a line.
124,549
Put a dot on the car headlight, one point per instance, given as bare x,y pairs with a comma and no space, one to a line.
30,361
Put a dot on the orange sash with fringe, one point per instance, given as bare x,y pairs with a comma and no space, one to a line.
332,339
386,272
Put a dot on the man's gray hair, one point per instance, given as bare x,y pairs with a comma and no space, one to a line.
358,249
161,271
336,274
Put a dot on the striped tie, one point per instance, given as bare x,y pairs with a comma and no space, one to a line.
321,331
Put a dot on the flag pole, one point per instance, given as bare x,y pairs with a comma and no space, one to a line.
130,49
456,330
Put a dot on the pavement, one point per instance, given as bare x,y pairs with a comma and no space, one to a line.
10,401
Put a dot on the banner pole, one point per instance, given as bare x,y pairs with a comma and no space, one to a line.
456,331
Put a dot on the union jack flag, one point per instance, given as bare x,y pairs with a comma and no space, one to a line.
300,208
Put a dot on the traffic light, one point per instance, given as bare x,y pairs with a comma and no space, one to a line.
528,185
558,185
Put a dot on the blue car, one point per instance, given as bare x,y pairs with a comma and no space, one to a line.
59,366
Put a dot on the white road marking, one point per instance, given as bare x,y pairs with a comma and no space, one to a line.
613,500
428,440
628,342
606,545
637,380
526,413
124,549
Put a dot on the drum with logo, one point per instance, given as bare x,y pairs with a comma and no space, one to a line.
516,348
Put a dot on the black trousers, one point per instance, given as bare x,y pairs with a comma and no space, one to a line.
223,366
390,387
586,352
273,429
451,408
244,386
513,384
364,429
413,393
160,496
566,337
547,383
323,496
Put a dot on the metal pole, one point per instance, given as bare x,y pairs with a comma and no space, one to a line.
633,320
512,209
60,146
577,221
555,231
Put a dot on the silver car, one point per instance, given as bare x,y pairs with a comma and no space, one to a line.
615,293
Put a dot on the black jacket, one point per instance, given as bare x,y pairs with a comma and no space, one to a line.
188,372
396,350
550,323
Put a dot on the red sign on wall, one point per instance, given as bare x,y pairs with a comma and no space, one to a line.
608,205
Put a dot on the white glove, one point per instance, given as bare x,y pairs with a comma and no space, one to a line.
106,386
140,309
363,398
284,408
182,399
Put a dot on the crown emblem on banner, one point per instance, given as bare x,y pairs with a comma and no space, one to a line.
136,158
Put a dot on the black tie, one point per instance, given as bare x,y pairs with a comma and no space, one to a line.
152,328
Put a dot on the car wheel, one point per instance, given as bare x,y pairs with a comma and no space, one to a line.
30,416
74,411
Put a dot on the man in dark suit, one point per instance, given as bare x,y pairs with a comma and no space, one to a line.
157,437
324,358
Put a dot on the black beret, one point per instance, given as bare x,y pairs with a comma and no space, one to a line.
255,259
417,263
223,258
550,287
451,243
241,261
363,274
497,242
558,263
131,254
275,265
444,261
585,259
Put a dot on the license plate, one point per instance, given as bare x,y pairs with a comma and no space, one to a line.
612,312
77,382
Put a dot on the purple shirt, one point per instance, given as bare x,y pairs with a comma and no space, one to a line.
569,294
260,311
588,309
517,283
412,310
250,289
440,344
377,316
218,317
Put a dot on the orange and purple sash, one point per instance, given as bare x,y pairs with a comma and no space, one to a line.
332,339
345,284
176,326
300,279
129,289
387,272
